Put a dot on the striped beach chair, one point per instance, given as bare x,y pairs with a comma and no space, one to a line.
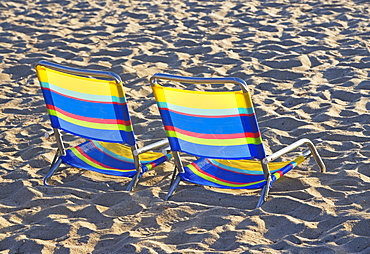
221,129
92,104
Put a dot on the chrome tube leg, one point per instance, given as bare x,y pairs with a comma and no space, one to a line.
56,156
136,178
173,175
266,188
52,171
133,182
173,187
261,200
264,193
316,156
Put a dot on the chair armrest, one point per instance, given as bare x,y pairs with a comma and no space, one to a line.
295,145
151,147
48,134
166,150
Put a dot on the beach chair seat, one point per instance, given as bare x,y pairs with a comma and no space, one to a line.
111,158
235,174
92,105
220,128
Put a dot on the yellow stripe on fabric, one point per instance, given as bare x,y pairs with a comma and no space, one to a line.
80,84
249,165
89,162
299,160
244,100
215,142
100,126
195,171
124,151
41,73
202,99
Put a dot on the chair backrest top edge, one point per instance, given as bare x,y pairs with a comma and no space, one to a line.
71,70
200,80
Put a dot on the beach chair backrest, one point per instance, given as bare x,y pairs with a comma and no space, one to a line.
217,124
86,103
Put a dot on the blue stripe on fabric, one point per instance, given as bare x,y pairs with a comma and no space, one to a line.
226,175
115,173
206,112
54,121
108,161
87,109
189,176
84,96
74,161
216,152
204,125
202,163
288,167
284,170
174,143
114,136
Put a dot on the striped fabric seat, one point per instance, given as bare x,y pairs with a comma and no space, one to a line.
92,104
235,174
221,128
111,158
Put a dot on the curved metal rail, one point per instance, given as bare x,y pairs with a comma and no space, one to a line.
303,141
192,80
89,73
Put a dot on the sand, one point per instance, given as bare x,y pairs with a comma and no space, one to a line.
307,65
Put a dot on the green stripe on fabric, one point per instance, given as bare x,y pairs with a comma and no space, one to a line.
277,176
215,142
100,126
195,171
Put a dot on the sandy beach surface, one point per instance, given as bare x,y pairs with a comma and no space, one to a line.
307,65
